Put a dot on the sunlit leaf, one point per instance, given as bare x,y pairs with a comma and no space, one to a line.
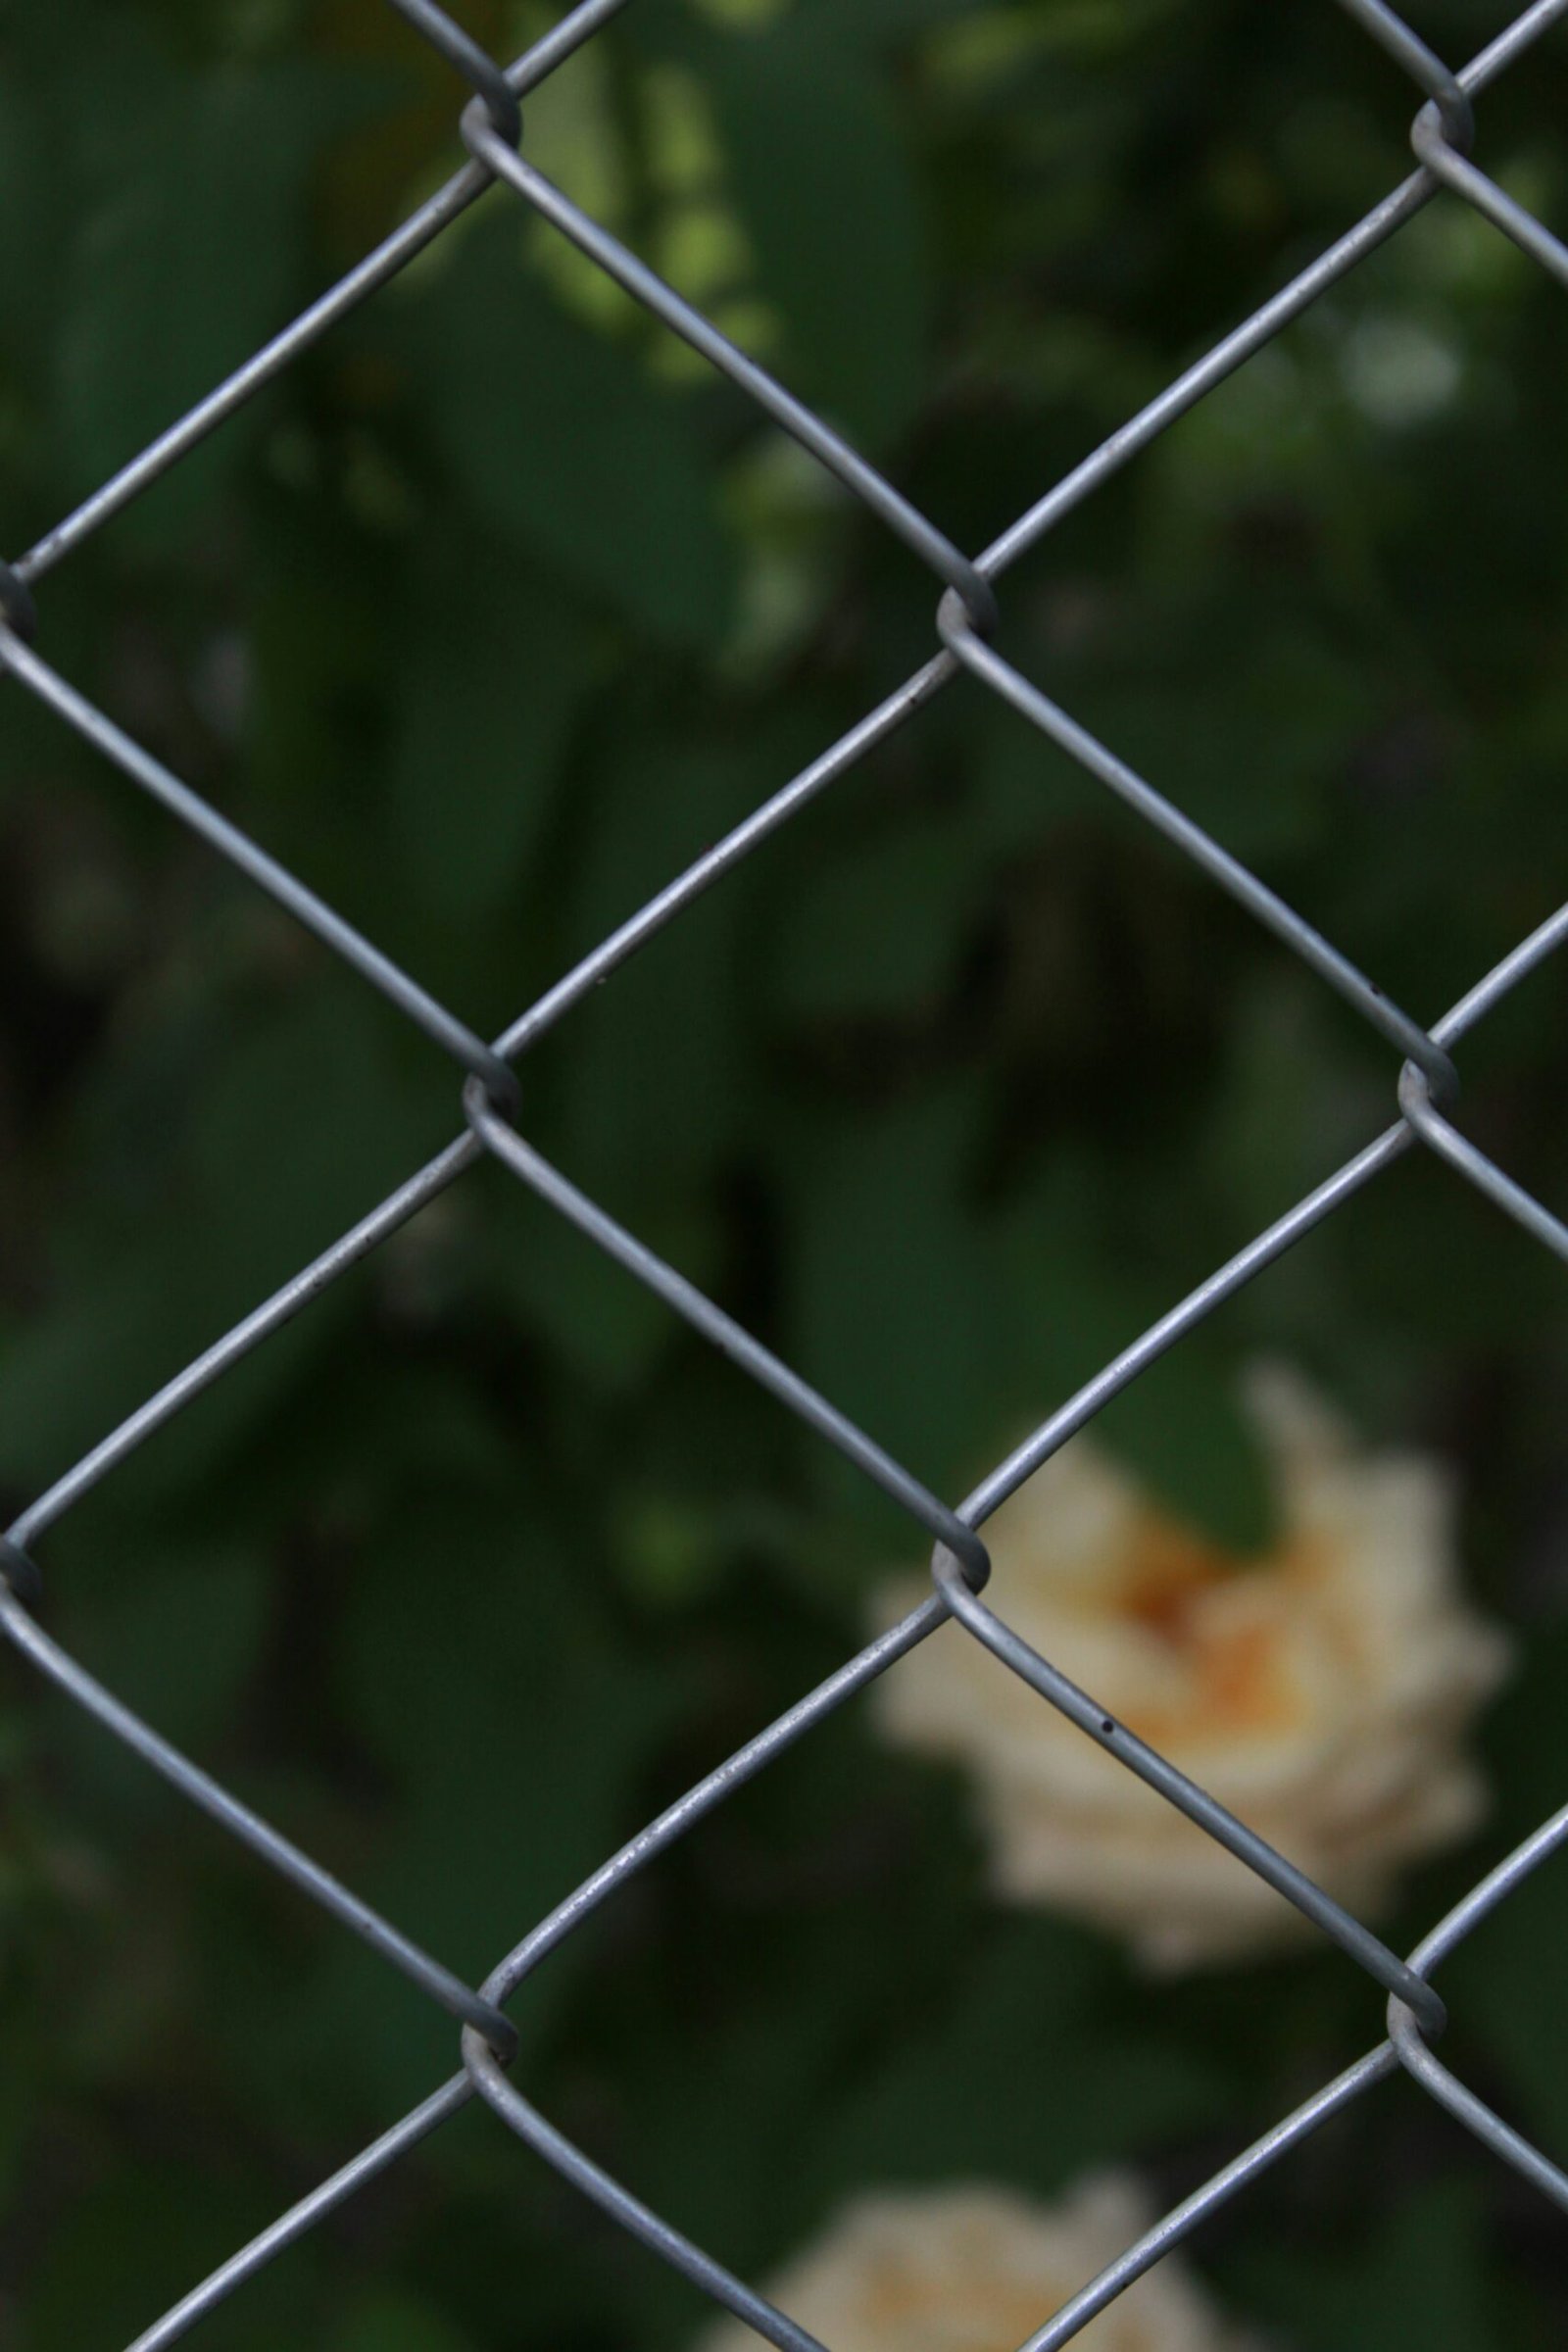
826,198
558,434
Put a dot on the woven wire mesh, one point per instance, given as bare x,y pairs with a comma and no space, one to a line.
968,621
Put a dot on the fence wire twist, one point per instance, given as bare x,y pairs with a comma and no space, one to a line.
967,621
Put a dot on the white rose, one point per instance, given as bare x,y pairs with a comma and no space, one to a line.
1320,1693
979,2270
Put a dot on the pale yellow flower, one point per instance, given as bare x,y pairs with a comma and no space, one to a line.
1320,1693
979,2270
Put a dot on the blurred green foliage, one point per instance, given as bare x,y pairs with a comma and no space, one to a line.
486,618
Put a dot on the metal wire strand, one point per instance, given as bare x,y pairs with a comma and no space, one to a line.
1435,1131
971,1561
1405,2045
277,1851
17,606
491,127
966,580
1405,2029
897,709
477,66
527,1955
1423,66
1186,1797
536,1947
987,664
1431,139
260,368
794,796
295,896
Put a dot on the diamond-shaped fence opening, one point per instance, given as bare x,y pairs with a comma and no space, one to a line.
970,635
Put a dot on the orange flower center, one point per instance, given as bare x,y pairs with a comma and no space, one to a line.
1237,1679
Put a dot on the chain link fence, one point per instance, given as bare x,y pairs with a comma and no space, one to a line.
495,1121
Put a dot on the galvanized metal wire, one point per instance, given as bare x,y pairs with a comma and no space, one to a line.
968,623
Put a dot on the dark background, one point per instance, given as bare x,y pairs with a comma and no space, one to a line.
485,618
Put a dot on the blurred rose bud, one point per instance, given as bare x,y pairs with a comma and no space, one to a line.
979,2270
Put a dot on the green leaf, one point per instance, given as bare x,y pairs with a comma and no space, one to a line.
1252,754
659,1082
892,1314
390,2320
173,1625
1181,1427
28,222
819,179
289,1137
606,1328
488,1686
1069,1308
133,2245
558,433
1505,1981
1024,2079
300,1127
185,263
1422,2280
498,669
880,930
72,1369
871,22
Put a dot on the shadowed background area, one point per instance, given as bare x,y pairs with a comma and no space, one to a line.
486,619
